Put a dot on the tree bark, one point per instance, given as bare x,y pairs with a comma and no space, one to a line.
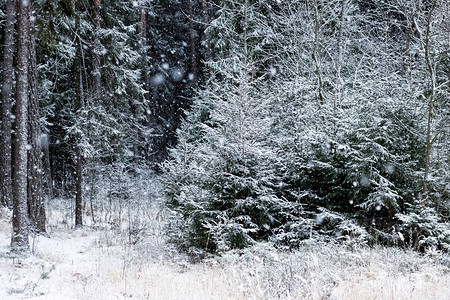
78,107
36,205
430,104
7,92
20,222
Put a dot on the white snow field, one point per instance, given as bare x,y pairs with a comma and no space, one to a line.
99,262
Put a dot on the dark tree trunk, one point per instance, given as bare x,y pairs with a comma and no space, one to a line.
96,53
144,46
47,186
7,92
78,191
20,222
78,108
193,35
141,147
36,205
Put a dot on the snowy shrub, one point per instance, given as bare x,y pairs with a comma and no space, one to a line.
424,230
287,142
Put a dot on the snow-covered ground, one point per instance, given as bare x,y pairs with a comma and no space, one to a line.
101,263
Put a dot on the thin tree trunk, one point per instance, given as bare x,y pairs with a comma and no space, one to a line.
7,92
46,171
97,48
78,189
206,21
193,34
19,240
91,196
409,32
315,54
144,46
36,206
78,108
339,57
430,106
148,102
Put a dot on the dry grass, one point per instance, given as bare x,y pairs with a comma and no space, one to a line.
99,262
394,274
335,272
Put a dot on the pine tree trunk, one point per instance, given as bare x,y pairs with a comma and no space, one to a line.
78,108
20,222
36,206
7,92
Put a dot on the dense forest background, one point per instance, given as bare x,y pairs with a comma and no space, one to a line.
266,120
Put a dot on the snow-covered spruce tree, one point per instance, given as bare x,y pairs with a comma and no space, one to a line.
315,104
220,181
346,129
56,51
90,55
425,218
115,110
383,149
112,118
348,134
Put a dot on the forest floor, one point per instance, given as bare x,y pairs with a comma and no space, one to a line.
109,262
